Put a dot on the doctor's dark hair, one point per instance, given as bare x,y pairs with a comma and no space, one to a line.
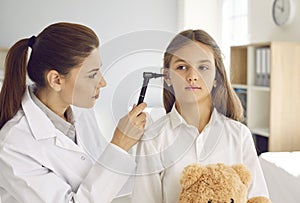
60,46
224,98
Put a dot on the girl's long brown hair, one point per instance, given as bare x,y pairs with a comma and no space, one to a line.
223,96
60,46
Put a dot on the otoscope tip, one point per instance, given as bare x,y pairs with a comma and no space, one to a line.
152,75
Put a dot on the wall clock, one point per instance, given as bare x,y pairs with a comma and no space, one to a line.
281,12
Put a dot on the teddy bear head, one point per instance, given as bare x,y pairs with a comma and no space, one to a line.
216,183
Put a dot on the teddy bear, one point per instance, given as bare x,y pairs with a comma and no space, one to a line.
216,183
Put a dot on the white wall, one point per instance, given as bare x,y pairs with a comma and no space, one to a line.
128,46
201,14
109,18
261,25
133,34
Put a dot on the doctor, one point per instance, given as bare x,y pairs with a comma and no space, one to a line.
47,152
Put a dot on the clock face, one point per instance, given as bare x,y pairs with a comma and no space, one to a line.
281,11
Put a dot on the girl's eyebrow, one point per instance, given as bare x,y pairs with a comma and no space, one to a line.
205,61
200,61
179,60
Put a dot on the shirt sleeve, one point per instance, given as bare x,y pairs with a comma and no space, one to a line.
28,181
147,182
258,186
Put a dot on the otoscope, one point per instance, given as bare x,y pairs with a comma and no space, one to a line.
147,76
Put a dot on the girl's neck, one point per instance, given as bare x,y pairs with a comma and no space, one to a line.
195,114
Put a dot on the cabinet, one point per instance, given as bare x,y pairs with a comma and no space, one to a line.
273,111
3,52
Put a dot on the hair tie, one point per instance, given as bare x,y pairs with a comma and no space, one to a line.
31,41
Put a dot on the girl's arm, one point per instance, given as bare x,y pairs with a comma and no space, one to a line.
250,158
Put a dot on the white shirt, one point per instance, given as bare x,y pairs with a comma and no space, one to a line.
40,164
171,144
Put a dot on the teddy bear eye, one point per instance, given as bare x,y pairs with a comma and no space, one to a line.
209,201
231,201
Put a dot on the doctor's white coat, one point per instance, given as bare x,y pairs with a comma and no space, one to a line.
38,163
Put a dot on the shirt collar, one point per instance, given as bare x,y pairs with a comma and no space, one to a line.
40,125
177,119
58,122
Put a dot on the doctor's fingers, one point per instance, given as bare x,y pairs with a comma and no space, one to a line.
142,116
136,110
138,120
128,124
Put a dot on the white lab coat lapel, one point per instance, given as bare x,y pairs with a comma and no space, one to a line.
61,154
64,142
88,133
39,123
33,114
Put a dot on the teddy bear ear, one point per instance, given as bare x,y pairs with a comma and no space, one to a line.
190,175
259,200
244,173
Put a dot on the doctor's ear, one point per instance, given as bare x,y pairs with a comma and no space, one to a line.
167,78
54,80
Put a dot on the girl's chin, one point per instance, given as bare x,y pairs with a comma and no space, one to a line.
194,101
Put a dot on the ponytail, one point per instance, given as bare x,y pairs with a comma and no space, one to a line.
14,83
60,46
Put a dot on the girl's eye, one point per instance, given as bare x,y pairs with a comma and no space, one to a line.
203,68
92,76
181,67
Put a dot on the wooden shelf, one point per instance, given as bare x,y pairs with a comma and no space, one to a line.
272,111
1,73
265,132
238,69
259,88
238,86
3,52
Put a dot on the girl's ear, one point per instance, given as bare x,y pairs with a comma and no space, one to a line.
167,78
215,83
54,80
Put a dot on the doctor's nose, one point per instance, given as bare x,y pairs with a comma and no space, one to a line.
101,83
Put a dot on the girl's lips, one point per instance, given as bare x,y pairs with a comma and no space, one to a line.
192,88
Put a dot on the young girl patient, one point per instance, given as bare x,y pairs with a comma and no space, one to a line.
202,124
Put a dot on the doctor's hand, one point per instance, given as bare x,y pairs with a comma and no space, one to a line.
130,128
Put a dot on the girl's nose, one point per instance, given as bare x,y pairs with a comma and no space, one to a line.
192,75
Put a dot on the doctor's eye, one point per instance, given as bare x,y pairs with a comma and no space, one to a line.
231,201
92,76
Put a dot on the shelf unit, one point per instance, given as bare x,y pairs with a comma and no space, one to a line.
3,52
272,112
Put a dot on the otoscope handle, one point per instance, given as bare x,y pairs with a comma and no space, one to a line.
143,90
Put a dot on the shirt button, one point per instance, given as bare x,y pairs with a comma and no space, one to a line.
82,158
